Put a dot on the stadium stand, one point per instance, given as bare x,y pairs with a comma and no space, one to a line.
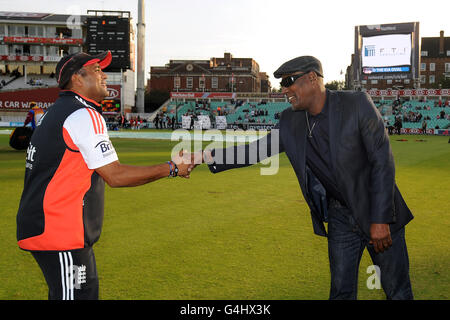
32,81
5,80
412,113
236,113
19,117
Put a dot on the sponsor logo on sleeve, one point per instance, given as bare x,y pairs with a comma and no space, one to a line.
106,148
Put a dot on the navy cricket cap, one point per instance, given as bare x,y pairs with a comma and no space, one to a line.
300,64
70,64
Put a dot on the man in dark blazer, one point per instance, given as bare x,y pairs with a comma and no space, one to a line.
340,152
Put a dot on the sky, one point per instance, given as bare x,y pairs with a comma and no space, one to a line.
269,31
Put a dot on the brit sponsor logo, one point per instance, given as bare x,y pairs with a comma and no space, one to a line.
30,156
30,152
106,147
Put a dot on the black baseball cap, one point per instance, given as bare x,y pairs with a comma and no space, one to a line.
71,63
303,64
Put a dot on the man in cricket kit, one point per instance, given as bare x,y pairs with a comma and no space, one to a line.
69,158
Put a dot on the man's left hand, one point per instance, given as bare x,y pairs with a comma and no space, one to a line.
380,236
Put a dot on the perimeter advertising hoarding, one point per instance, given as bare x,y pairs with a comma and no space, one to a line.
221,122
388,51
410,93
203,95
39,40
201,122
19,100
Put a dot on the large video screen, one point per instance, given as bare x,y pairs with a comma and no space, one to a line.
386,53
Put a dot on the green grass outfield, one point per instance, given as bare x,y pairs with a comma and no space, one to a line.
233,235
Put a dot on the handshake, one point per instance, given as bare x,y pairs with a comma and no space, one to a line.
187,161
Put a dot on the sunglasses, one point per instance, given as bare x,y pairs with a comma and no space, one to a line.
289,81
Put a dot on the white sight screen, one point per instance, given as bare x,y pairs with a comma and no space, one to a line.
386,51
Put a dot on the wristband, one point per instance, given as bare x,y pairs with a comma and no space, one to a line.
170,169
173,169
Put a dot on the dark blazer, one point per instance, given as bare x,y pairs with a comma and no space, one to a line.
361,157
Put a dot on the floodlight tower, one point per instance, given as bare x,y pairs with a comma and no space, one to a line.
140,90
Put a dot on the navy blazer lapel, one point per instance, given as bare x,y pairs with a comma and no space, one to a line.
299,127
335,116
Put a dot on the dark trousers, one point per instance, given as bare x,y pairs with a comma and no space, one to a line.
70,275
346,244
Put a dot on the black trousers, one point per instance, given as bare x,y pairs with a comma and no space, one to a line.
70,275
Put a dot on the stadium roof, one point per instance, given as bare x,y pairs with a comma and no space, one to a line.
40,18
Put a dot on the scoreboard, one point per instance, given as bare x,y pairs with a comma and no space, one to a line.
110,33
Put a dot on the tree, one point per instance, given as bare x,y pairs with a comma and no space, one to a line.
445,83
276,90
335,85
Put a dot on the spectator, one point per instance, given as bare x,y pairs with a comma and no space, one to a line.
424,126
122,120
398,125
138,123
34,115
156,121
